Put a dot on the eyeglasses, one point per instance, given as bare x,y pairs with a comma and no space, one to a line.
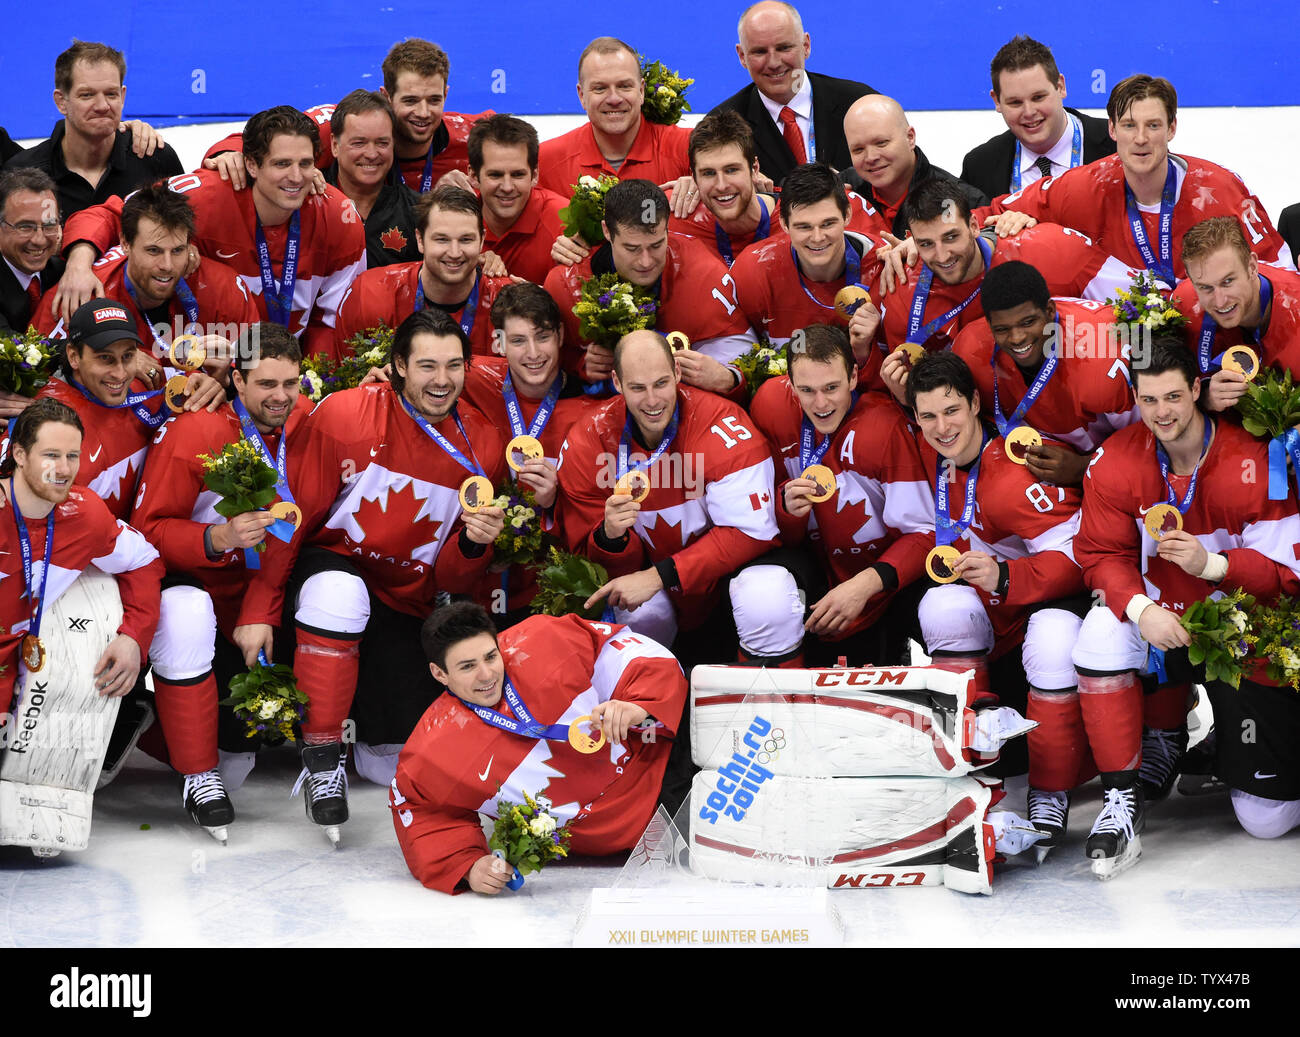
28,228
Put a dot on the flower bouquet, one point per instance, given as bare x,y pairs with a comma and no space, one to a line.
268,700
244,481
1271,409
26,362
565,582
1142,304
1277,627
527,837
665,93
521,541
761,362
586,209
610,308
1221,638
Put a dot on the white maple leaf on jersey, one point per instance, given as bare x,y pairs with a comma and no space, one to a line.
110,482
1204,197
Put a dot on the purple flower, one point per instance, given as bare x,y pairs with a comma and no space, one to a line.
555,838
606,298
261,727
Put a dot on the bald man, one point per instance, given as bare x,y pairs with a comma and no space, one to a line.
886,160
797,116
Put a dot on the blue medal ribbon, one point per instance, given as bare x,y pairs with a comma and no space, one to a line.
1279,449
1162,266
808,454
1076,153
134,400
1044,376
544,409
447,445
281,529
525,726
625,441
1163,457
188,302
426,178
852,271
34,594
1209,329
467,312
946,531
724,240
279,297
920,334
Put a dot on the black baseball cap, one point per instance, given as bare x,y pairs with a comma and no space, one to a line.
100,323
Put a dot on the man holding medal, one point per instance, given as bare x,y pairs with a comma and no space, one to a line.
1053,364
449,222
581,714
1138,203
1230,301
46,518
375,475
1171,515
208,560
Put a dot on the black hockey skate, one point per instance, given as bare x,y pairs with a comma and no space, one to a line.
1049,812
210,808
1161,753
1114,844
1196,771
326,782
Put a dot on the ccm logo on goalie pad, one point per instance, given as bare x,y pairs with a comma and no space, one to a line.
860,678
739,780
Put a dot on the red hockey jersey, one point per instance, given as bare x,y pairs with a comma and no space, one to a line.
113,447
223,302
882,509
658,154
1279,343
1088,396
85,533
332,247
375,488
710,507
455,766
1230,514
1027,524
525,247
174,506
1091,199
387,295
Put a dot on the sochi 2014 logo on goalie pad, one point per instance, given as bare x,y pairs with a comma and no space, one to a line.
863,722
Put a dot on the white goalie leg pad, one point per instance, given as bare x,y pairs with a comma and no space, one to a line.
1108,645
334,601
654,618
768,608
186,639
1265,818
61,724
376,763
872,721
953,619
845,833
1048,648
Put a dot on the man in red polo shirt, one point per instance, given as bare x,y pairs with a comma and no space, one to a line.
450,225
616,140
522,220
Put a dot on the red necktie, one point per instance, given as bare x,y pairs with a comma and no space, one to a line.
793,138
34,294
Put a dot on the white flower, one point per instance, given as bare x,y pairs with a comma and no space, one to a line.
1154,300
1238,620
268,710
542,825
32,355
588,181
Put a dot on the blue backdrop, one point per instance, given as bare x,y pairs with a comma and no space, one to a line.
195,63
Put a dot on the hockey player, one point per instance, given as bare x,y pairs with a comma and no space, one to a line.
529,394
1056,365
1138,203
680,272
1229,300
383,528
792,280
1172,515
872,533
557,671
296,253
50,530
207,560
1010,544
449,223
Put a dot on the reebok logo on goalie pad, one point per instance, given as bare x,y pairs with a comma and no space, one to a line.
740,778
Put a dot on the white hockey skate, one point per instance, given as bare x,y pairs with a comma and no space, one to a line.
1114,844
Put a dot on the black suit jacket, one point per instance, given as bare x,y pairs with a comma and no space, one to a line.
15,308
988,166
1288,225
831,98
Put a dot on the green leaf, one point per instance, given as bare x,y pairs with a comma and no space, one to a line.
1196,654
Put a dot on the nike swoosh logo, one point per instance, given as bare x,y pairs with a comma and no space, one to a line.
483,776
223,255
95,455
374,450
1261,777
1143,511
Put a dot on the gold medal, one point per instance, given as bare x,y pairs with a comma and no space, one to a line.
195,353
521,450
939,563
476,493
33,651
287,512
1243,360
1161,519
825,480
636,484
581,740
175,391
1019,440
678,341
912,352
849,298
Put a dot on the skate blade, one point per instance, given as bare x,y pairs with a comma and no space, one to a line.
1106,868
332,834
1200,785
218,833
1041,852
45,852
